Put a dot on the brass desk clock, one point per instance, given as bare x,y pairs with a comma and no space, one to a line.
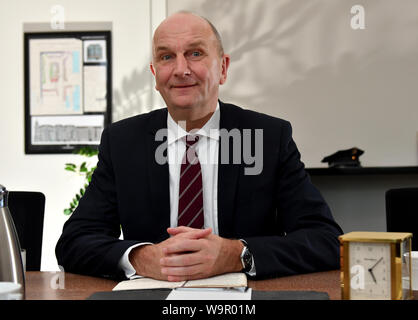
376,266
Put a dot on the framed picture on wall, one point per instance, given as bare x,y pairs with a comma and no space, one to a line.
68,90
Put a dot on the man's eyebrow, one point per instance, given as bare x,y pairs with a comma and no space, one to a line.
194,44
198,43
162,48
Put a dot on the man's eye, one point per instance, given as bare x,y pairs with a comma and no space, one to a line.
165,57
196,54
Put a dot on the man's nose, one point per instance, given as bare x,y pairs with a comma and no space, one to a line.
182,66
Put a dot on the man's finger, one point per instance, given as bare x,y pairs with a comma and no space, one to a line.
177,230
180,260
190,232
182,245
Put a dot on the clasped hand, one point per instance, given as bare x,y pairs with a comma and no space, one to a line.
187,255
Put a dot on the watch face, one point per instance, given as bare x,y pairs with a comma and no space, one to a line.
247,259
370,276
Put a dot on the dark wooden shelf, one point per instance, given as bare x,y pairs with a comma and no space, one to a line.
361,171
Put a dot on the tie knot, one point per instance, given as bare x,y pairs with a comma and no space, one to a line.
191,140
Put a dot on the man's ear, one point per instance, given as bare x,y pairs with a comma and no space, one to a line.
224,65
151,66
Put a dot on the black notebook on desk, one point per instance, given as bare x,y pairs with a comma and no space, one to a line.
161,294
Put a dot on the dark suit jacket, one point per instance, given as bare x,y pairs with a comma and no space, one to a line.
282,216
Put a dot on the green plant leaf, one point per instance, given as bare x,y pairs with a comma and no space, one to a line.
83,167
87,151
70,167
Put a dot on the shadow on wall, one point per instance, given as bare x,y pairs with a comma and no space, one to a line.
303,62
135,94
252,30
275,44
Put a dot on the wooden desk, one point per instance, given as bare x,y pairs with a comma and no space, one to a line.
45,286
328,282
40,285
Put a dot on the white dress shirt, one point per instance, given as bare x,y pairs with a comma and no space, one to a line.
207,149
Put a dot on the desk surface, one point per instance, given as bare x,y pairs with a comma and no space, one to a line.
46,285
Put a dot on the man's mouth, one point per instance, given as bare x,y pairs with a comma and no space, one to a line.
182,86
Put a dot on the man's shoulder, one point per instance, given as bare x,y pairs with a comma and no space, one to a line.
141,121
248,118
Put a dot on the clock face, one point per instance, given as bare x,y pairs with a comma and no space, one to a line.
369,265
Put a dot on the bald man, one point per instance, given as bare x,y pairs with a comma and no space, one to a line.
267,223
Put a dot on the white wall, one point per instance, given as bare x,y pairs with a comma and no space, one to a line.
339,87
133,92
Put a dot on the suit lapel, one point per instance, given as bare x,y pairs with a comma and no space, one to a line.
227,174
158,175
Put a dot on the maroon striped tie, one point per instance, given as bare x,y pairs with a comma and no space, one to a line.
191,192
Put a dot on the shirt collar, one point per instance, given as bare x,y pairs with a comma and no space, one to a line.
210,129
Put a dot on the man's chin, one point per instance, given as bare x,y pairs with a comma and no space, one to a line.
185,104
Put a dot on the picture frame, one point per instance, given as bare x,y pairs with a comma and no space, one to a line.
68,90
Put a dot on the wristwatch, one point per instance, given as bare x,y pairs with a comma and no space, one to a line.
246,258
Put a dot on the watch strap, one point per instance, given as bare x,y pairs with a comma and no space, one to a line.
246,257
